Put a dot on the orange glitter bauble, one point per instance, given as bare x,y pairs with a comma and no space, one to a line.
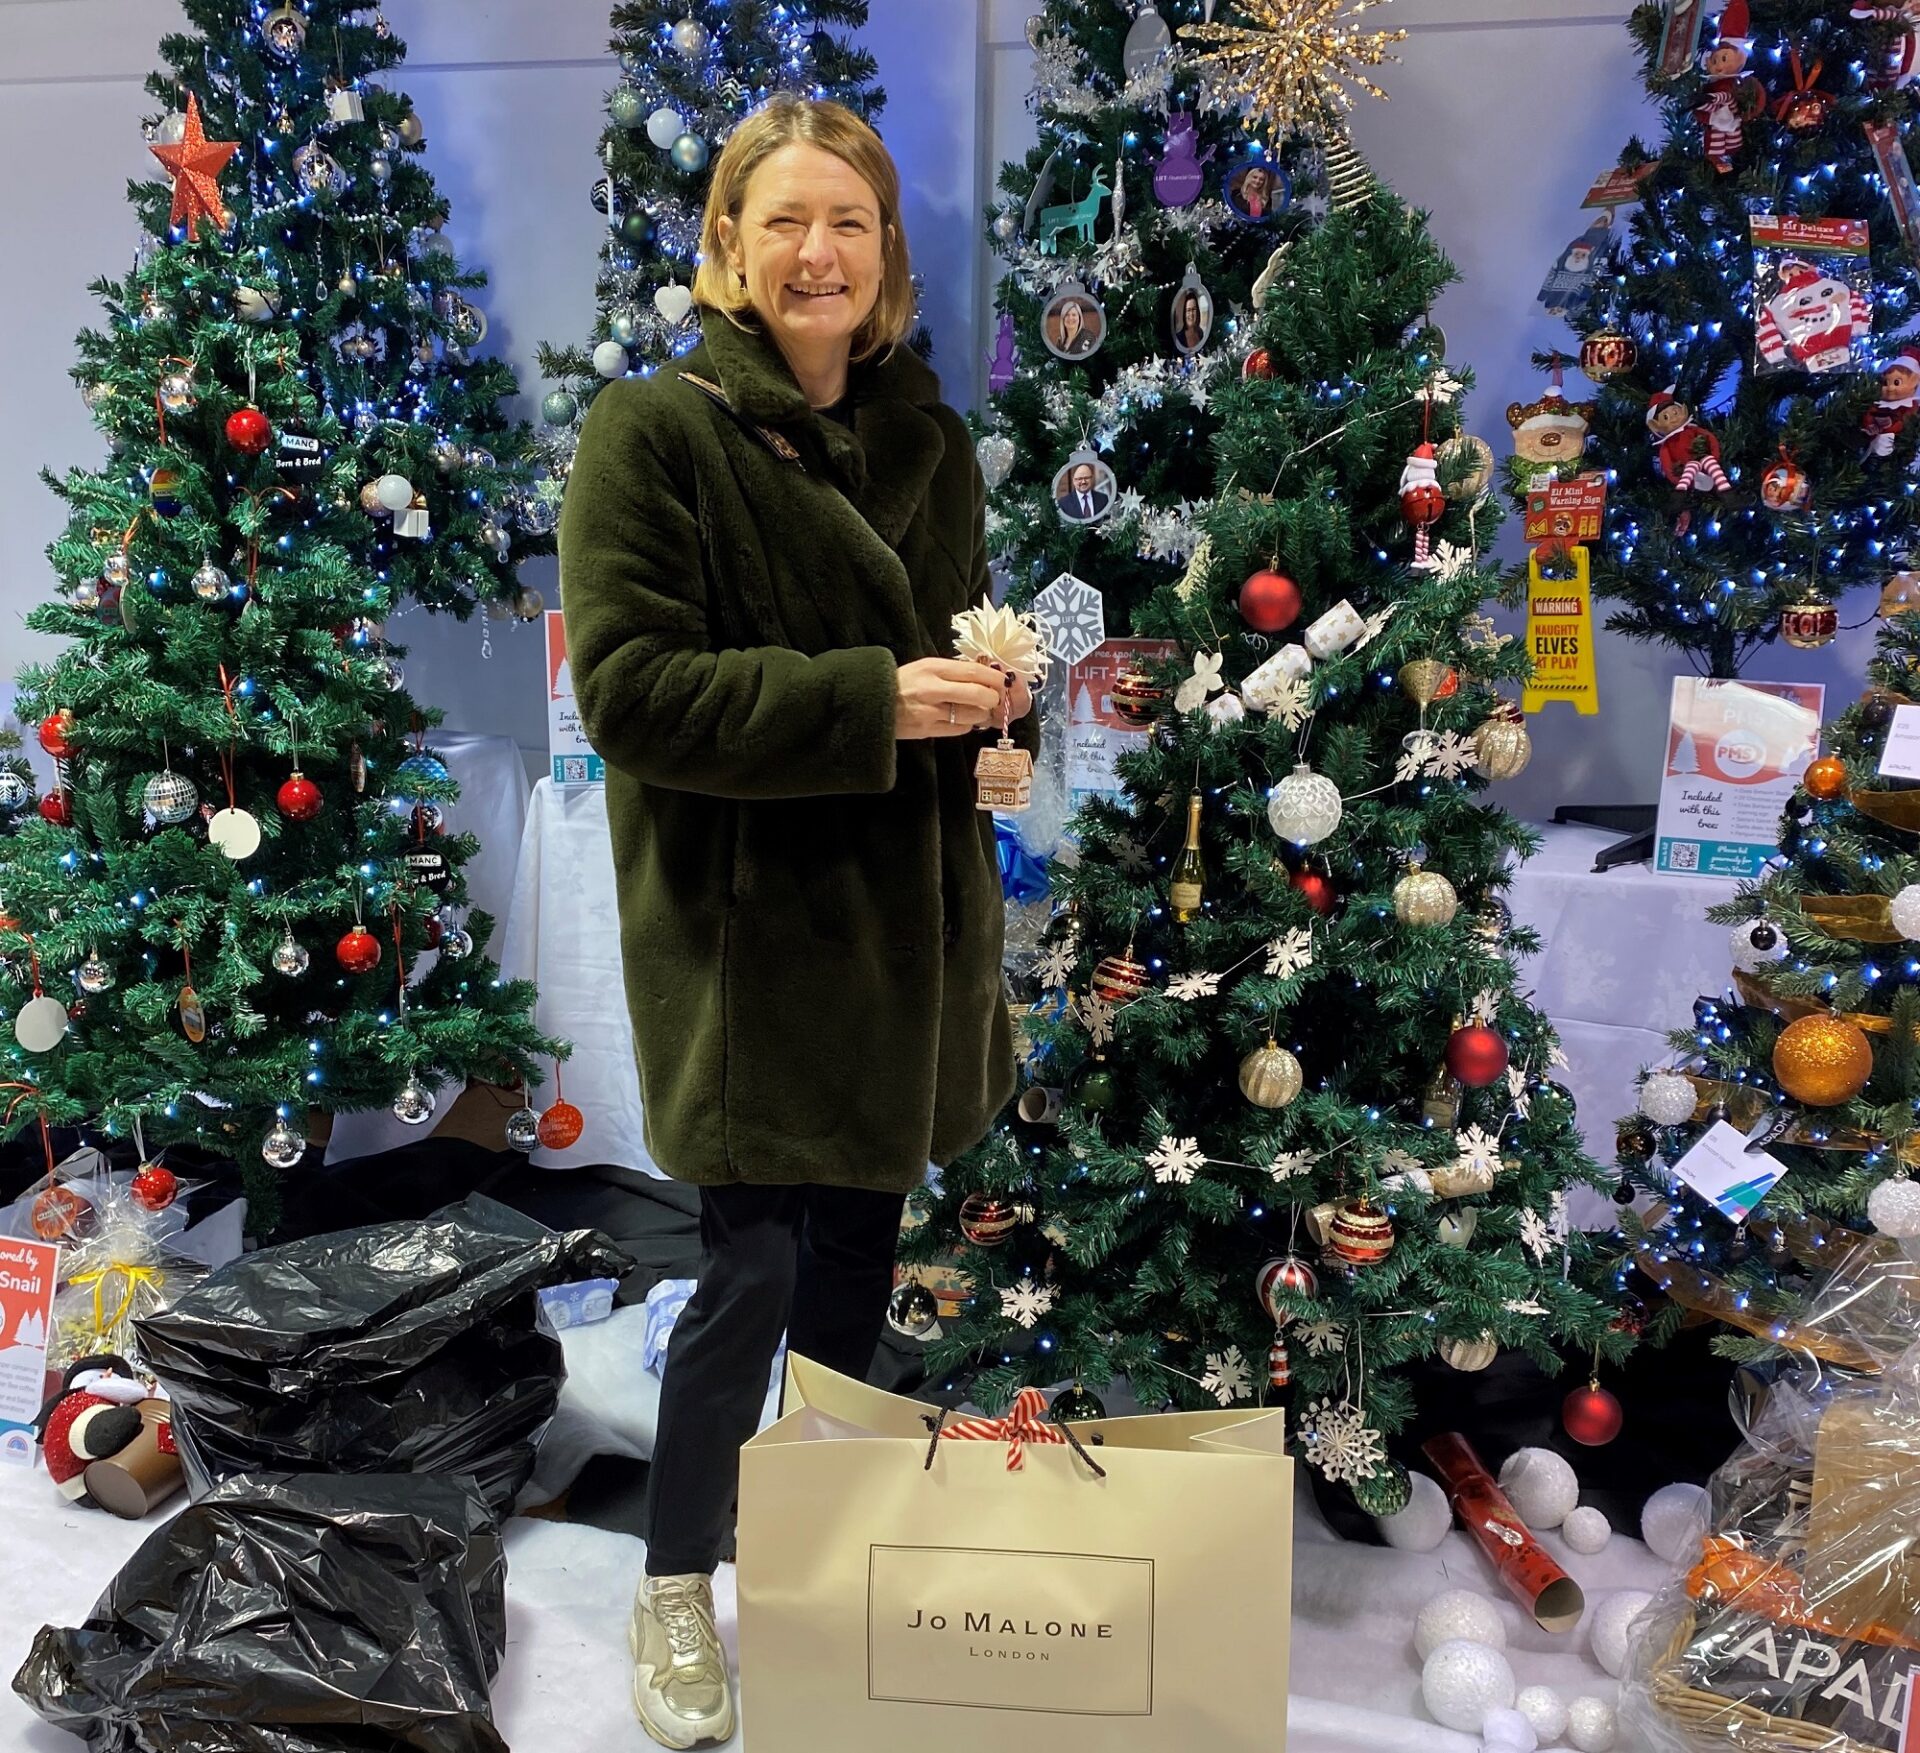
1825,778
1822,1060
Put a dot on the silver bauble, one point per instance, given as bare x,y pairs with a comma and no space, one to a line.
282,1146
690,38
170,797
95,975
290,956
380,167
689,153
624,327
523,1129
456,944
535,514
176,392
414,1105
911,1310
528,604
86,594
1905,912
479,457
1304,807
448,455
171,128
1006,227
210,583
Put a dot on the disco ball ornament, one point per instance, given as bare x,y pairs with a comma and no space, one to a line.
290,957
610,359
1304,807
690,38
358,951
1076,1406
414,1105
561,1126
170,797
210,582
911,1310
1668,1098
282,1147
94,975
154,1187
1759,943
559,407
689,153
523,1129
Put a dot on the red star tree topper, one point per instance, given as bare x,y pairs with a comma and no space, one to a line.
194,164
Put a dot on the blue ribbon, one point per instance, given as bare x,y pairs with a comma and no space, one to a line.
1023,877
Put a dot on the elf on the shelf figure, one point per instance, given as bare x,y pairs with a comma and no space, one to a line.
1902,65
1899,387
1684,451
1813,319
1733,96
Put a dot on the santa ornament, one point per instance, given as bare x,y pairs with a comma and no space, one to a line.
1902,65
1422,500
1684,451
95,1414
1899,383
1812,319
1733,97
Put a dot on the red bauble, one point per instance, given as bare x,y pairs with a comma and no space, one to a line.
1269,602
358,951
1290,1273
1423,504
57,808
434,930
1476,1055
1591,1415
1258,364
1318,891
56,734
298,799
248,431
560,1126
155,1187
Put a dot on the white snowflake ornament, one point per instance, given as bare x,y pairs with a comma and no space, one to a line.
1176,1160
1025,1302
1536,1235
1288,1164
1322,1338
1227,1378
1289,954
1096,1017
1187,987
1337,1439
1075,617
1056,963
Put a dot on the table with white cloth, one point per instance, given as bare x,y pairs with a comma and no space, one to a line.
492,776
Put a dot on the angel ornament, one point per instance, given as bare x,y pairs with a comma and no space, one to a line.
1206,679
1016,645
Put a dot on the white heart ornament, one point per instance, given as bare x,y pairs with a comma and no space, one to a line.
995,453
672,301
41,1024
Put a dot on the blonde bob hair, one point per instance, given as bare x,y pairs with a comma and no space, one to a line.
832,128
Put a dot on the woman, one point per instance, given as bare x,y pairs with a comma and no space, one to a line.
762,550
1190,333
1075,337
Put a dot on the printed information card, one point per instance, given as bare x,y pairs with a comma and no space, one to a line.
1735,751
1726,1174
1097,735
28,1273
574,762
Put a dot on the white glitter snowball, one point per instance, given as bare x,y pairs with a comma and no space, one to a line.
1607,1629
1507,1731
1667,1098
1673,1521
1893,1208
1462,1681
1590,1725
1586,1529
1456,1615
1423,1524
1540,1485
1755,944
1546,1710
1905,909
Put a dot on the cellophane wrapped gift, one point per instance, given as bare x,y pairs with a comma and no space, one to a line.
1794,1626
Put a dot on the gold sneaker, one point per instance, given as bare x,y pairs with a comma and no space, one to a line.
680,1683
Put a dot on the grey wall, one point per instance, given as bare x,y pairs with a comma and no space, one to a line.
1501,111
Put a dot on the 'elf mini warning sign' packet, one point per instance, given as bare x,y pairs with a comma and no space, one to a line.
1812,293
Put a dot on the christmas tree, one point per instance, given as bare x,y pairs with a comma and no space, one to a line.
237,902
1811,1053
1283,1017
1754,433
688,73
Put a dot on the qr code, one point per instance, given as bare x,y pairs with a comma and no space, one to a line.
1684,855
573,770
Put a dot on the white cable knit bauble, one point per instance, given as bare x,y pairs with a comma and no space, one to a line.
1456,1615
1590,1725
1607,1629
1905,910
1667,1098
1423,1524
1586,1529
1893,1208
1546,1710
1507,1731
1462,1681
1674,1519
1541,1486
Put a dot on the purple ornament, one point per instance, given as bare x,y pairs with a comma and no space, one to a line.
1178,178
1004,360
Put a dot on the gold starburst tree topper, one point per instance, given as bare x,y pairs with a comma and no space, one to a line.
1293,66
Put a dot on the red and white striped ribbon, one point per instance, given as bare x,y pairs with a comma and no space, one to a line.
1026,1423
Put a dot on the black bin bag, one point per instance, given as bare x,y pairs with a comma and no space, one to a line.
407,1347
292,1613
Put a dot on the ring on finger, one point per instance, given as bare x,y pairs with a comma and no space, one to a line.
951,719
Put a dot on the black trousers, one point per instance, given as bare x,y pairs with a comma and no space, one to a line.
816,1262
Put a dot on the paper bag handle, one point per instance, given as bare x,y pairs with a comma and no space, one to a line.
1019,1427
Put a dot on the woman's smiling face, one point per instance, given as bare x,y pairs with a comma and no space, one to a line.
810,245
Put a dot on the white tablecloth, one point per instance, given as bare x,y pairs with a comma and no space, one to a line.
492,776
1624,954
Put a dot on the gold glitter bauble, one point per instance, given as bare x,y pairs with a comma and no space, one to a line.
1822,1060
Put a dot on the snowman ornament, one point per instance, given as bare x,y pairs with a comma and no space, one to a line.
1812,321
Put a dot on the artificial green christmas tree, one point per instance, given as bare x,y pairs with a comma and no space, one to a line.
237,902
1306,1131
1749,412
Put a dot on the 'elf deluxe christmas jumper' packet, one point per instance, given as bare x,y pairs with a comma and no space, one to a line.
1812,293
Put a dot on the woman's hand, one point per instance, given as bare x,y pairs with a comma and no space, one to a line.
946,697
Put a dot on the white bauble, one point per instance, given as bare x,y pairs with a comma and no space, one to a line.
1607,1629
665,126
610,359
1667,1098
1541,1486
1586,1529
1423,1524
1905,908
1304,807
1591,1726
1546,1711
395,492
1462,1681
1893,1208
1507,1731
1673,1520
1457,1615
1758,943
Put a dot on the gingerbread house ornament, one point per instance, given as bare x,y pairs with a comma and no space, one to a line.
1003,777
